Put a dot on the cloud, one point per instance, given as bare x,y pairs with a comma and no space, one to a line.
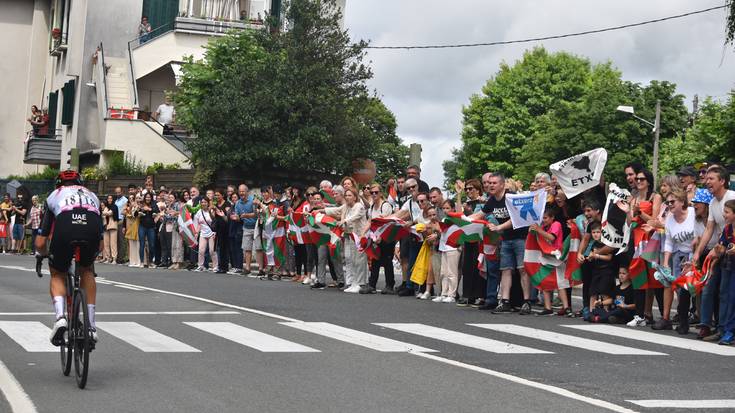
426,89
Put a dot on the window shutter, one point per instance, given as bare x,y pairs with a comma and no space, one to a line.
67,108
53,106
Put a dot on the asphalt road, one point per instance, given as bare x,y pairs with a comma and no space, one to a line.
201,342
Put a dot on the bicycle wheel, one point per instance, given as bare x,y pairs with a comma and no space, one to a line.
81,338
66,347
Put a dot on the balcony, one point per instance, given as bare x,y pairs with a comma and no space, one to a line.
42,151
58,45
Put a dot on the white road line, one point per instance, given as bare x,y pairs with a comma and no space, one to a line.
135,313
686,404
15,395
567,340
127,287
144,338
660,339
462,339
265,343
33,336
519,380
358,338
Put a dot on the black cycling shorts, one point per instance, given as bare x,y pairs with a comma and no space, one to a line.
78,225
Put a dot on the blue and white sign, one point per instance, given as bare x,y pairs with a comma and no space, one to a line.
526,208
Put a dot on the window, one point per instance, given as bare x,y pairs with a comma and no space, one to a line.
67,106
53,106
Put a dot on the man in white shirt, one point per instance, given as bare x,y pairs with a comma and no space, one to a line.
411,212
716,181
166,114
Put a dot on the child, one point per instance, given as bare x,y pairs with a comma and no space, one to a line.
624,304
3,233
726,250
449,265
602,281
551,231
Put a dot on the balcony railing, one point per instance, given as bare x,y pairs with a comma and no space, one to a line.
42,151
58,45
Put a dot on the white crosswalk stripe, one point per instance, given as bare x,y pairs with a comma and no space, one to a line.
567,340
145,338
251,338
462,339
659,339
33,336
358,338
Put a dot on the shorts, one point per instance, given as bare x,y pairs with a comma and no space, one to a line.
251,240
511,254
75,226
602,283
19,232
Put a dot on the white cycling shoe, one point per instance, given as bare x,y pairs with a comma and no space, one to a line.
57,333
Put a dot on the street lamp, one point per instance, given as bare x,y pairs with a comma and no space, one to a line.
656,126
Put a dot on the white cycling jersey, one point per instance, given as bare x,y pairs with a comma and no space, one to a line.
66,198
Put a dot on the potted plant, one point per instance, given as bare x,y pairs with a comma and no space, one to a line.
56,33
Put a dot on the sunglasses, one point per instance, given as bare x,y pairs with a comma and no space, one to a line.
670,202
640,179
703,172
375,192
411,187
311,193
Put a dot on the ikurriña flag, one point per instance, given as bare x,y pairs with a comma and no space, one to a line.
299,230
188,230
641,270
326,231
549,268
386,230
457,230
274,238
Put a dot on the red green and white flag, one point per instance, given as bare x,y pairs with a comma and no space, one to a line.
299,230
274,239
328,197
187,228
456,231
381,230
694,280
326,231
641,270
549,268
393,196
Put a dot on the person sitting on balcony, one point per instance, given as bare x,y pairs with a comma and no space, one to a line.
39,121
144,30
43,126
35,119
165,114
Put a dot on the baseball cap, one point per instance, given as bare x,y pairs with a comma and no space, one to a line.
687,171
702,196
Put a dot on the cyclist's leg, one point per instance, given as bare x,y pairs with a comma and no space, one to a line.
58,291
89,285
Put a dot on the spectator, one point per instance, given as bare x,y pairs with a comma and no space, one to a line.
688,177
631,171
473,285
550,230
34,221
436,198
624,304
449,265
147,212
380,208
110,218
166,114
132,226
592,212
413,171
352,218
177,242
717,178
245,209
120,201
20,211
144,30
204,221
413,214
726,250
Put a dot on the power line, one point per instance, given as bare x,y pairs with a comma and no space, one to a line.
560,36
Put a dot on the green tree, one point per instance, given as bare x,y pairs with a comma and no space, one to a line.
296,99
730,24
712,138
506,129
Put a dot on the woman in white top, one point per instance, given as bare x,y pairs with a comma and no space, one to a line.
352,219
205,222
677,245
380,208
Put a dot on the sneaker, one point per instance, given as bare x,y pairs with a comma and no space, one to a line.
93,335
727,339
340,285
503,307
425,296
546,311
713,337
704,331
57,334
637,321
463,302
318,286
565,312
487,306
477,303
405,292
556,302
388,291
525,308
307,281
683,329
353,289
367,290
586,314
448,299
232,271
245,272
438,299
200,269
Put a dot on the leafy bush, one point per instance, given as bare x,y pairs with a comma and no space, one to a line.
122,164
159,166
47,174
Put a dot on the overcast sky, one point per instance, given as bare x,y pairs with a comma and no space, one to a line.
426,89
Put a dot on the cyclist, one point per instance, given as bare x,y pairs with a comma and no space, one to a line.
72,214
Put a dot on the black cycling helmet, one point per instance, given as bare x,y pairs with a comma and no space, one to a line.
70,177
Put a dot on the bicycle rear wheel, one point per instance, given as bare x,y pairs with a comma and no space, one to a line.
66,347
81,338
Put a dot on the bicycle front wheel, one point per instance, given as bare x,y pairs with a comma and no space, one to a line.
81,339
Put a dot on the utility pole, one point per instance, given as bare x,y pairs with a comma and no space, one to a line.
656,129
414,154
